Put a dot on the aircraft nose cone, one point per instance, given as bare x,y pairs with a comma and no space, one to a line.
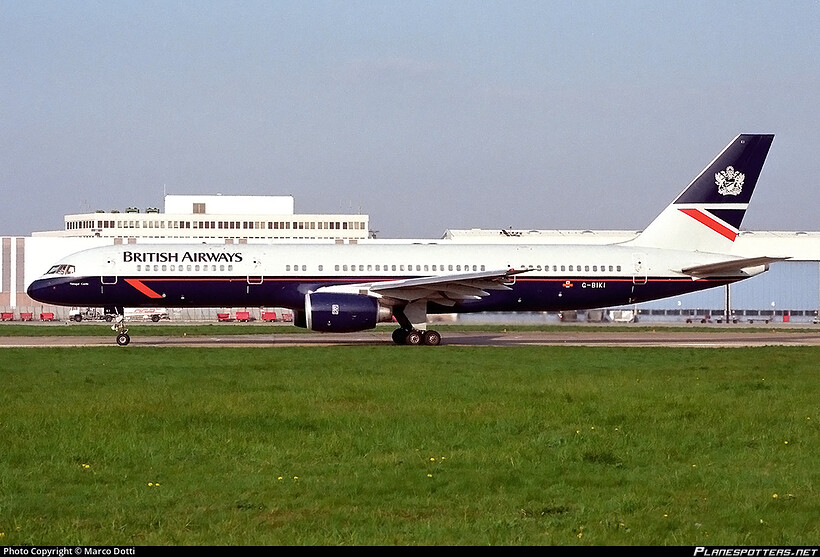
39,290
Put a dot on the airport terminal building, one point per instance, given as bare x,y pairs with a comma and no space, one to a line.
214,217
789,291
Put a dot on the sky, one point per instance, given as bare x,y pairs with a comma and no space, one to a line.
426,115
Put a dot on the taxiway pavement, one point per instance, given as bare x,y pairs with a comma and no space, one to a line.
698,339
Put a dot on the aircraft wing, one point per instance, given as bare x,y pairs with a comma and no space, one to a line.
729,266
442,289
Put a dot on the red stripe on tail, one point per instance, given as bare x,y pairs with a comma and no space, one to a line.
705,219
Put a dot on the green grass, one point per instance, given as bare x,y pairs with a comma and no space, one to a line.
398,445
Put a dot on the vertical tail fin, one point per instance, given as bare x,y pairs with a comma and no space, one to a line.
708,214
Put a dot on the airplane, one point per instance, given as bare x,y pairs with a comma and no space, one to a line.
352,287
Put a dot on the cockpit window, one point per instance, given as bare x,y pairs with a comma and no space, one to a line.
62,269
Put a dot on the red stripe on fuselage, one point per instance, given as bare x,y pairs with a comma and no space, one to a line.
705,219
136,283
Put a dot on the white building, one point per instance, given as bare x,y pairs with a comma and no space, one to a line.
210,217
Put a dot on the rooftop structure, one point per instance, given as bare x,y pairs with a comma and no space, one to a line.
216,217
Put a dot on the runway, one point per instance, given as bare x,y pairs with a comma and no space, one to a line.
643,338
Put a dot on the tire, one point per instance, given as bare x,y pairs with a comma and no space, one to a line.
431,338
155,318
123,339
78,318
399,336
413,338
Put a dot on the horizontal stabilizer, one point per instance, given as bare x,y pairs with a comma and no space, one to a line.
730,266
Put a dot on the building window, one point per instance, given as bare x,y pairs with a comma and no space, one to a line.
199,208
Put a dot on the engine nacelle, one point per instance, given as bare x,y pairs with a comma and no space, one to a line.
333,312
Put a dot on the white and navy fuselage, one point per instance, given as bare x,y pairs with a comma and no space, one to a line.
555,277
348,287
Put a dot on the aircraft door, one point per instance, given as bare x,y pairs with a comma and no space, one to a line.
255,276
639,267
109,276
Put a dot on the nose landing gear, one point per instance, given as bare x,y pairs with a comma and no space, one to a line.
122,331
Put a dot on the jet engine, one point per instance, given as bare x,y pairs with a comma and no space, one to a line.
333,312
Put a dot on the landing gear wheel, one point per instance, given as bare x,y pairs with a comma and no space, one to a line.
416,338
123,339
431,338
398,336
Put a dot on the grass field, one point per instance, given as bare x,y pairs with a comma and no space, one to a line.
397,445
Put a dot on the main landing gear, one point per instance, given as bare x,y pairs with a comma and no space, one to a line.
122,331
415,337
414,312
